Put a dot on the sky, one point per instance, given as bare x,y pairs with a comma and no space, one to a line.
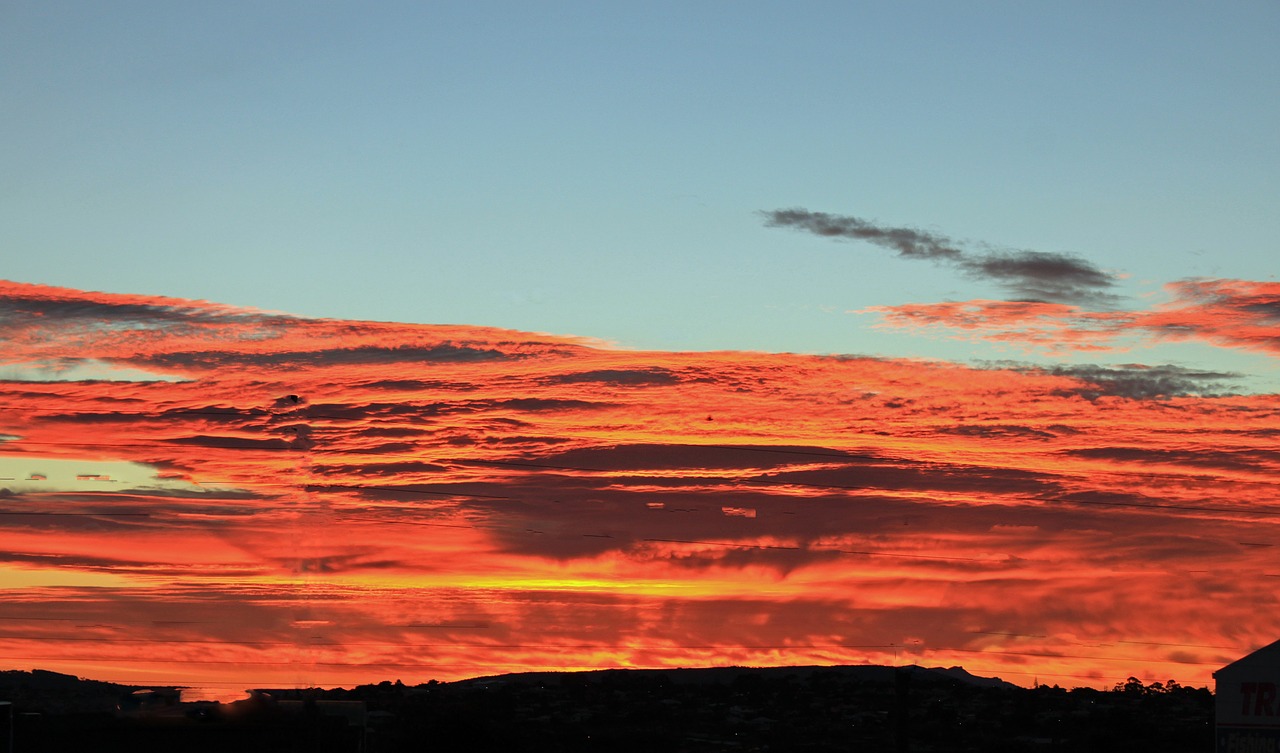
435,340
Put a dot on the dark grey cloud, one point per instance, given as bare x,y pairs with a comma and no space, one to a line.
1043,276
1028,275
1262,461
415,385
537,441
919,477
51,523
908,242
16,308
651,377
534,404
398,432
390,448
365,354
338,562
1139,382
135,504
119,566
650,457
1266,306
412,410
997,431
244,417
234,443
391,469
1098,498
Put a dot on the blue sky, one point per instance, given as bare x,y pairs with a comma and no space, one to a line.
598,169
1091,188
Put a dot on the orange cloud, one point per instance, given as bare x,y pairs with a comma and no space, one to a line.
1228,313
333,502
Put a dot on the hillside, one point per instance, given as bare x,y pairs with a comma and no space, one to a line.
812,709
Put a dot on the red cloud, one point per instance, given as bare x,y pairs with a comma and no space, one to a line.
333,502
1228,313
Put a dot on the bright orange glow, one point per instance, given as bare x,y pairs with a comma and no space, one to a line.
334,502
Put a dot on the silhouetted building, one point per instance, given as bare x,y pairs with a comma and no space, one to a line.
1247,707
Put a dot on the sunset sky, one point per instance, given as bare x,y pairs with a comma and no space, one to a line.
449,339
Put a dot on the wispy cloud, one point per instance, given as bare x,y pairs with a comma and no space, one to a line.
1028,275
908,242
1240,314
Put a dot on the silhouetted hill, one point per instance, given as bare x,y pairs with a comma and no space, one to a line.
776,709
52,692
724,675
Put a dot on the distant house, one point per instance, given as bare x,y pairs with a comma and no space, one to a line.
1247,706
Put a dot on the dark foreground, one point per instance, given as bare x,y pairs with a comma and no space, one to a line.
868,709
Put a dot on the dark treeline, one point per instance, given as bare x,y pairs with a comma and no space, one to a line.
736,709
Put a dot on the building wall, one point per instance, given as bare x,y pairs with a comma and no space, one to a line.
1247,703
